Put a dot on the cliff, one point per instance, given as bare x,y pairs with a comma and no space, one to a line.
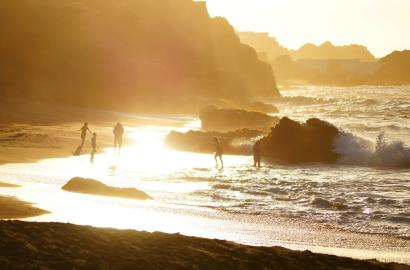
329,51
125,55
263,43
395,69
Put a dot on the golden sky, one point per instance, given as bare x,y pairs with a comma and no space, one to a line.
382,25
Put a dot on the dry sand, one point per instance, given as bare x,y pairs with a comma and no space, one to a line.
25,245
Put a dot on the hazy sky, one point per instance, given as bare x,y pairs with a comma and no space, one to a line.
382,25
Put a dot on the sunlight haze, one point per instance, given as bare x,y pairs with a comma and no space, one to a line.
205,134
377,24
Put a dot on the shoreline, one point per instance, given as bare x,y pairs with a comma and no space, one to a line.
32,143
27,143
71,137
13,208
294,234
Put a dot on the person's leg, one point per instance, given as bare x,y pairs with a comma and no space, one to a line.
120,142
254,161
222,162
216,159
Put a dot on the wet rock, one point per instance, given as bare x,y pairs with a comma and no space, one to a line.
214,119
94,187
291,142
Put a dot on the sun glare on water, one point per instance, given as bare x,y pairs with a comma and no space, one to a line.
145,163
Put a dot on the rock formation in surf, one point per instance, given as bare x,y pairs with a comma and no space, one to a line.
125,55
291,142
215,119
94,187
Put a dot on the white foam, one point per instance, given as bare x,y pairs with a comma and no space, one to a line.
355,150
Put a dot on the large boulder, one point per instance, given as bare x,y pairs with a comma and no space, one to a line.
216,119
291,142
94,187
234,143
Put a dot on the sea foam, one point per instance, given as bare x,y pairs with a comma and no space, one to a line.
355,150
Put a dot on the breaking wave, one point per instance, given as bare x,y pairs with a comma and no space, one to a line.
355,150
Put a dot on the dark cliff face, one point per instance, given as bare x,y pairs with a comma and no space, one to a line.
124,53
395,68
329,51
291,142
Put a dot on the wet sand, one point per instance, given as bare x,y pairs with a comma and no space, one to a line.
24,143
22,243
12,208
25,245
31,142
8,185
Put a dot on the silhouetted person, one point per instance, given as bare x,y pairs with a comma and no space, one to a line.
118,133
257,154
218,152
93,146
84,130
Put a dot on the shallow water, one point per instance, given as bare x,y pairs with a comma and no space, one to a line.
367,191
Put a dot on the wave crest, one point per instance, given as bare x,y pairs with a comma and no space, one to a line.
355,150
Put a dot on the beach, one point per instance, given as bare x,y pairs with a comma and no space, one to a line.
65,246
174,208
204,134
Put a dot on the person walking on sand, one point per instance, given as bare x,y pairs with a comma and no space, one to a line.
84,130
218,152
93,146
257,154
118,133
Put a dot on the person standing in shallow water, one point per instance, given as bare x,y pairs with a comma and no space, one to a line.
93,146
84,130
118,133
218,152
257,154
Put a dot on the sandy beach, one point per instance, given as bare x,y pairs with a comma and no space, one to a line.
186,252
23,143
204,134
64,246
